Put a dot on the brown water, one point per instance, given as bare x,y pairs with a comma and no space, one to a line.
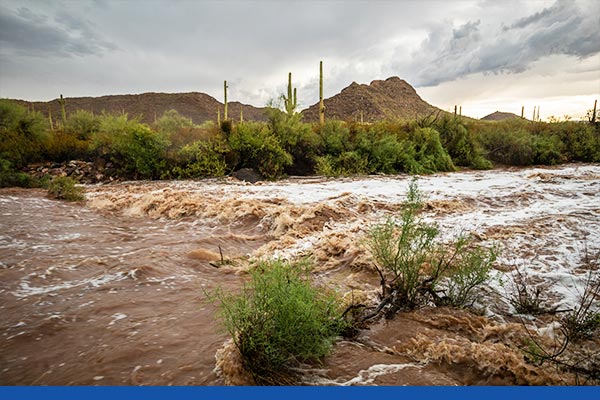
111,292
93,298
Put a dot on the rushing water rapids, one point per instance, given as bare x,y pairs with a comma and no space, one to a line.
111,292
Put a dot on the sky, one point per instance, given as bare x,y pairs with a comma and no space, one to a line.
484,55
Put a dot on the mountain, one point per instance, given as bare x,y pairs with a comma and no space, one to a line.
200,107
499,116
391,98
381,99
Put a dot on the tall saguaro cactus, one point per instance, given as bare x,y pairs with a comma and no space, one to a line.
63,112
50,118
321,105
225,110
289,101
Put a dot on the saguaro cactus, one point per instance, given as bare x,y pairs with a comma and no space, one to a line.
321,105
219,116
289,101
225,109
594,112
50,118
522,111
63,112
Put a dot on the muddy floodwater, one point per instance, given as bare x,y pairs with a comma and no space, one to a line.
112,291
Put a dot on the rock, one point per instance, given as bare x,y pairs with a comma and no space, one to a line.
248,175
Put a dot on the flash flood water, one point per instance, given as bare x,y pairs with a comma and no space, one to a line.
112,291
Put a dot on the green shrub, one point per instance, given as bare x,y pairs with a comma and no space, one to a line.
470,267
280,319
135,149
548,150
509,147
12,178
297,138
171,123
257,147
23,134
344,164
82,125
381,148
401,249
461,144
414,268
63,146
336,137
202,159
429,154
582,142
64,188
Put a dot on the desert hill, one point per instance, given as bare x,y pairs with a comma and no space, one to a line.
391,98
499,116
381,99
200,107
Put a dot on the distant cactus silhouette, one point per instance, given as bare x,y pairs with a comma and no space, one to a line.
289,101
321,105
225,110
63,112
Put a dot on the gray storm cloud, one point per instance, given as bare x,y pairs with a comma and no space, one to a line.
107,47
34,35
449,53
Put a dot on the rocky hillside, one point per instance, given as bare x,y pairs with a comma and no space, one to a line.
499,116
200,107
392,98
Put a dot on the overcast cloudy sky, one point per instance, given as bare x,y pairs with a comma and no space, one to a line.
484,55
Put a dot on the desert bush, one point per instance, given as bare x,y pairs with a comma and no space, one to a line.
584,320
524,296
401,248
574,348
23,134
63,146
201,159
461,144
171,123
335,136
297,138
280,319
134,148
469,267
429,154
582,142
512,147
64,188
414,268
11,178
380,147
257,147
548,150
346,163
82,125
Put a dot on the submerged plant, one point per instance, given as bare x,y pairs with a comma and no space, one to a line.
415,269
280,319
64,188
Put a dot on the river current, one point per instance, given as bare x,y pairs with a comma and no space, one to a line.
113,291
